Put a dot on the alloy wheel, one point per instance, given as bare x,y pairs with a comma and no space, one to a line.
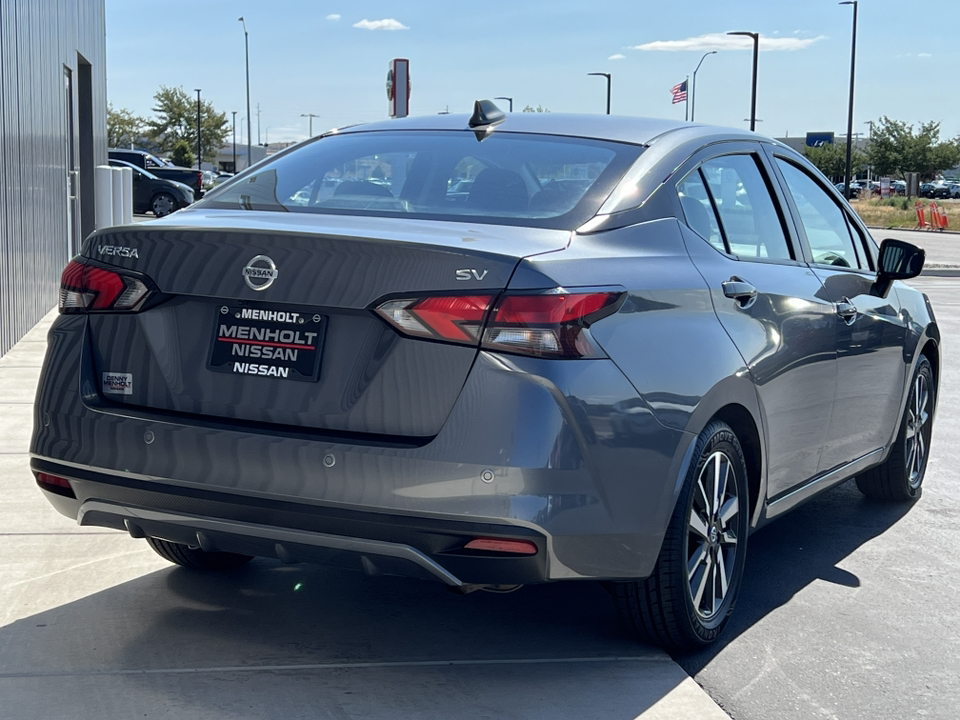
712,536
163,205
918,430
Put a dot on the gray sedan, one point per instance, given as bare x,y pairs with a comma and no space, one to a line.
627,345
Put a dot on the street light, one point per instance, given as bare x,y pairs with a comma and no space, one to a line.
199,153
510,99
869,147
693,90
234,140
311,116
753,95
853,67
607,76
246,47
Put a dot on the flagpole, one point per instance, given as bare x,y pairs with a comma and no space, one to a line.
686,101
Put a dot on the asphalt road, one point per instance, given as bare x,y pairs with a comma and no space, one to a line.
850,608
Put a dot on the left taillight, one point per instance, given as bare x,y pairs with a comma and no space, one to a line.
86,288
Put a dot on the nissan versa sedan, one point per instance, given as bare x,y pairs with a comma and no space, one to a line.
626,345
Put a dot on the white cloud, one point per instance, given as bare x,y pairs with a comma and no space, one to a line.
722,41
618,56
385,24
333,17
924,55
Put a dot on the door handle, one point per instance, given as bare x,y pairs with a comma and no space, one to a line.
741,291
847,310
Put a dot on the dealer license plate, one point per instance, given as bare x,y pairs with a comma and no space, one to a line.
269,343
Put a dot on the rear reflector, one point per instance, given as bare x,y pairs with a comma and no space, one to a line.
55,484
517,547
86,287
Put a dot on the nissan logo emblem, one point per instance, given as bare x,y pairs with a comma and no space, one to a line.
260,273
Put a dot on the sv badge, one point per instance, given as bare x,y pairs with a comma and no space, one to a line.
471,274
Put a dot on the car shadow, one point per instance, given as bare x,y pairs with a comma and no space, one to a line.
796,550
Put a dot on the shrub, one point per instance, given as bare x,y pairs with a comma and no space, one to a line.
182,155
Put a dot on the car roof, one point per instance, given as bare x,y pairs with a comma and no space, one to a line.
619,128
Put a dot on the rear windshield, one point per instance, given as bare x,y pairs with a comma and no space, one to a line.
508,178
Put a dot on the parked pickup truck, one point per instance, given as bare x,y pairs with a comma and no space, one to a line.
156,166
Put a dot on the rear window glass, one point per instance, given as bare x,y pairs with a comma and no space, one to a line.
507,178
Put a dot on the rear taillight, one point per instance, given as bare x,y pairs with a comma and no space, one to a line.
454,318
54,484
199,181
550,324
85,288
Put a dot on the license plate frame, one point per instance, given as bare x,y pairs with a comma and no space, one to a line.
267,342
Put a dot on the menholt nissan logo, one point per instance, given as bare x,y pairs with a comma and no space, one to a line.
260,272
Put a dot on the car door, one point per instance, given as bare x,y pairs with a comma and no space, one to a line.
870,331
142,189
770,302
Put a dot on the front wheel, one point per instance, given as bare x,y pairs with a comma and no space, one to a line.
900,476
687,601
163,204
196,558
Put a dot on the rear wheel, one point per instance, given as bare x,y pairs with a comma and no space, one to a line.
900,476
163,204
687,601
196,558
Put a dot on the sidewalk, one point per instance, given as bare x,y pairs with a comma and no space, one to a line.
94,625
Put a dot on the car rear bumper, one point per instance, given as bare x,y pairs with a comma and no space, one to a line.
532,450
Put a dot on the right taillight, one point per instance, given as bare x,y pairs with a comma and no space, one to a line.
85,288
552,324
549,325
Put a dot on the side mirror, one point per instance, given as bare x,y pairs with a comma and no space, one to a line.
899,260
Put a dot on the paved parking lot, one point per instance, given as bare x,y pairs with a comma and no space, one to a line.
93,624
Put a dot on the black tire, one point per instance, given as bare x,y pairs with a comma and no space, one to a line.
672,607
196,558
899,478
163,204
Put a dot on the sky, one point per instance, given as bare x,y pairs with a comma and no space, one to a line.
331,59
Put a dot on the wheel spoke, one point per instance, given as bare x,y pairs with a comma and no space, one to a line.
728,538
718,460
703,494
701,581
724,580
698,525
730,508
698,559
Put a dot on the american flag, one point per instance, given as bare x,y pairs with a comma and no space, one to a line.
679,92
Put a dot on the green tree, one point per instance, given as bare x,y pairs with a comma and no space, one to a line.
538,108
176,119
831,159
897,149
182,155
123,127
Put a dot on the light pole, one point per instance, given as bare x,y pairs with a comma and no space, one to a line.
753,95
853,67
199,147
234,140
693,90
311,116
607,76
246,47
510,99
869,147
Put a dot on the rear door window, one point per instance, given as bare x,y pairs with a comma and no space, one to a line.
750,220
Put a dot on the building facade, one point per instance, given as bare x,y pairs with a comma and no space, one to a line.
53,133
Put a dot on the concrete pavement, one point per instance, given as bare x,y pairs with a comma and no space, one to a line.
93,624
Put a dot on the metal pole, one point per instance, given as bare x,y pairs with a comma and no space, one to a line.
853,66
234,140
607,76
258,124
756,57
246,46
509,99
311,116
693,90
199,146
686,102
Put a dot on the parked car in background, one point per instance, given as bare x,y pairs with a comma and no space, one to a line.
155,194
154,165
954,189
899,187
855,189
614,378
934,190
